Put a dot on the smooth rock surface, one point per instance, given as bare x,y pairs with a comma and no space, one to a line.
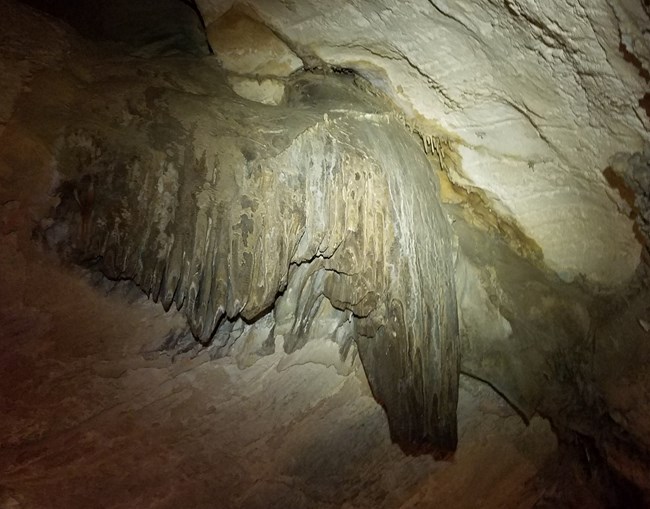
246,46
214,204
265,91
107,401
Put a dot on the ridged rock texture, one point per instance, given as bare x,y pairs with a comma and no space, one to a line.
538,94
221,206
292,212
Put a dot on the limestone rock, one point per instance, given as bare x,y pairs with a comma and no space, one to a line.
219,205
538,94
246,46
265,91
273,228
519,325
634,170
45,49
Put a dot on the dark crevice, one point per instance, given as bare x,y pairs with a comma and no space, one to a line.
644,102
344,71
192,5
630,57
519,411
581,477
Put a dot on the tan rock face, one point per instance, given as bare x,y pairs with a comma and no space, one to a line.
540,95
246,46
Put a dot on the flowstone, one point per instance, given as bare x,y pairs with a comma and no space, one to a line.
220,206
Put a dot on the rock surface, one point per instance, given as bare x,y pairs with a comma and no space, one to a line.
214,204
537,97
246,46
630,175
265,91
133,157
221,228
101,423
145,28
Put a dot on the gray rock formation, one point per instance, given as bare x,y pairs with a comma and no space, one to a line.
220,206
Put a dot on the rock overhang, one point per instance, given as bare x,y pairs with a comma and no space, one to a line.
538,97
514,339
221,205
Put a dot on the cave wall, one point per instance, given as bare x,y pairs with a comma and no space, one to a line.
223,231
537,95
276,206
163,175
145,28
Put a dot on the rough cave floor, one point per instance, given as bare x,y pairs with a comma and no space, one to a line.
102,423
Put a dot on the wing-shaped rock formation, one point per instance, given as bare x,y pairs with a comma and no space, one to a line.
221,205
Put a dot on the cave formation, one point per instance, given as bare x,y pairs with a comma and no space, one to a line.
283,254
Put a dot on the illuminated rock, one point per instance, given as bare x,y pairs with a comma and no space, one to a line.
538,95
221,206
